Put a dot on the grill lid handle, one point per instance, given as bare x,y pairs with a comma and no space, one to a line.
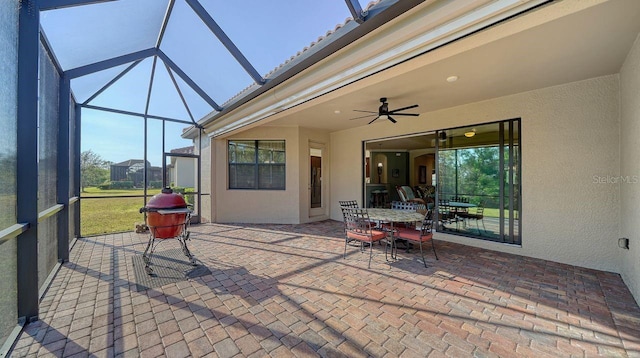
167,190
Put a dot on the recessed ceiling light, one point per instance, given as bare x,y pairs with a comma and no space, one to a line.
452,79
337,111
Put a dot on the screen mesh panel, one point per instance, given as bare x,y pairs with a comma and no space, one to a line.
47,247
198,106
122,214
202,56
86,86
48,104
165,99
117,141
262,31
8,143
72,214
9,288
173,139
129,93
82,35
8,112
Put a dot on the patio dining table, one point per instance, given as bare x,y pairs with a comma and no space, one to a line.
392,216
457,204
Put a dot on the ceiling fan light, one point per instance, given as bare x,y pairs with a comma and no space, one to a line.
470,133
384,116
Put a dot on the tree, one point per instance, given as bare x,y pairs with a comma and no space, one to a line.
93,169
472,172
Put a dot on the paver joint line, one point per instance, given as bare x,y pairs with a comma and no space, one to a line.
284,290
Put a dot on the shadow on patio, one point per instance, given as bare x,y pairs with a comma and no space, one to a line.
284,290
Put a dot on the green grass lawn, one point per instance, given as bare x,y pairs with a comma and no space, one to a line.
108,215
93,191
493,213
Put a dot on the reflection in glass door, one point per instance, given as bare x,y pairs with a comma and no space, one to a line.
478,181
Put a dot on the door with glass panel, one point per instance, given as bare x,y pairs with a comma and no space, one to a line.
316,185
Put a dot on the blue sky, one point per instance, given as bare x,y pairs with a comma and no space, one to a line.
266,32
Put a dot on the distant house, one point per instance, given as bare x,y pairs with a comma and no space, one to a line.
133,170
182,170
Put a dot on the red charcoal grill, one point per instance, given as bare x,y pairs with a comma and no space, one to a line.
167,218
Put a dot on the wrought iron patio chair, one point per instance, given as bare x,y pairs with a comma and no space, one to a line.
403,205
424,234
446,215
410,206
358,227
347,204
478,215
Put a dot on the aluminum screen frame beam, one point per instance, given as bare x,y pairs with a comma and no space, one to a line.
134,114
356,10
165,21
150,89
184,101
109,63
226,41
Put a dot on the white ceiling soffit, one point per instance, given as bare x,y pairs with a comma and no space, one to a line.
564,42
425,27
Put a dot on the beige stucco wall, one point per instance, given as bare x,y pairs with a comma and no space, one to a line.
258,206
630,168
205,177
570,136
290,206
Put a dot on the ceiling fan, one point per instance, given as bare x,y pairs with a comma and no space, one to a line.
385,113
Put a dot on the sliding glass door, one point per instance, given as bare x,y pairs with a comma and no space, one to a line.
478,181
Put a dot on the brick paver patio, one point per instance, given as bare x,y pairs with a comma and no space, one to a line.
285,290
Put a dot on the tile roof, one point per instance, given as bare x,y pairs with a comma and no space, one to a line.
184,150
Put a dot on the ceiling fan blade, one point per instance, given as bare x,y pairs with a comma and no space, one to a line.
403,108
368,115
391,119
374,120
406,114
357,110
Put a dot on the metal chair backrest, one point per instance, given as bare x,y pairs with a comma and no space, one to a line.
348,203
356,220
402,205
427,223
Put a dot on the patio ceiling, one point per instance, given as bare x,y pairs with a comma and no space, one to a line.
535,50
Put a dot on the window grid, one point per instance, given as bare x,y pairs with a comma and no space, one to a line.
257,164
